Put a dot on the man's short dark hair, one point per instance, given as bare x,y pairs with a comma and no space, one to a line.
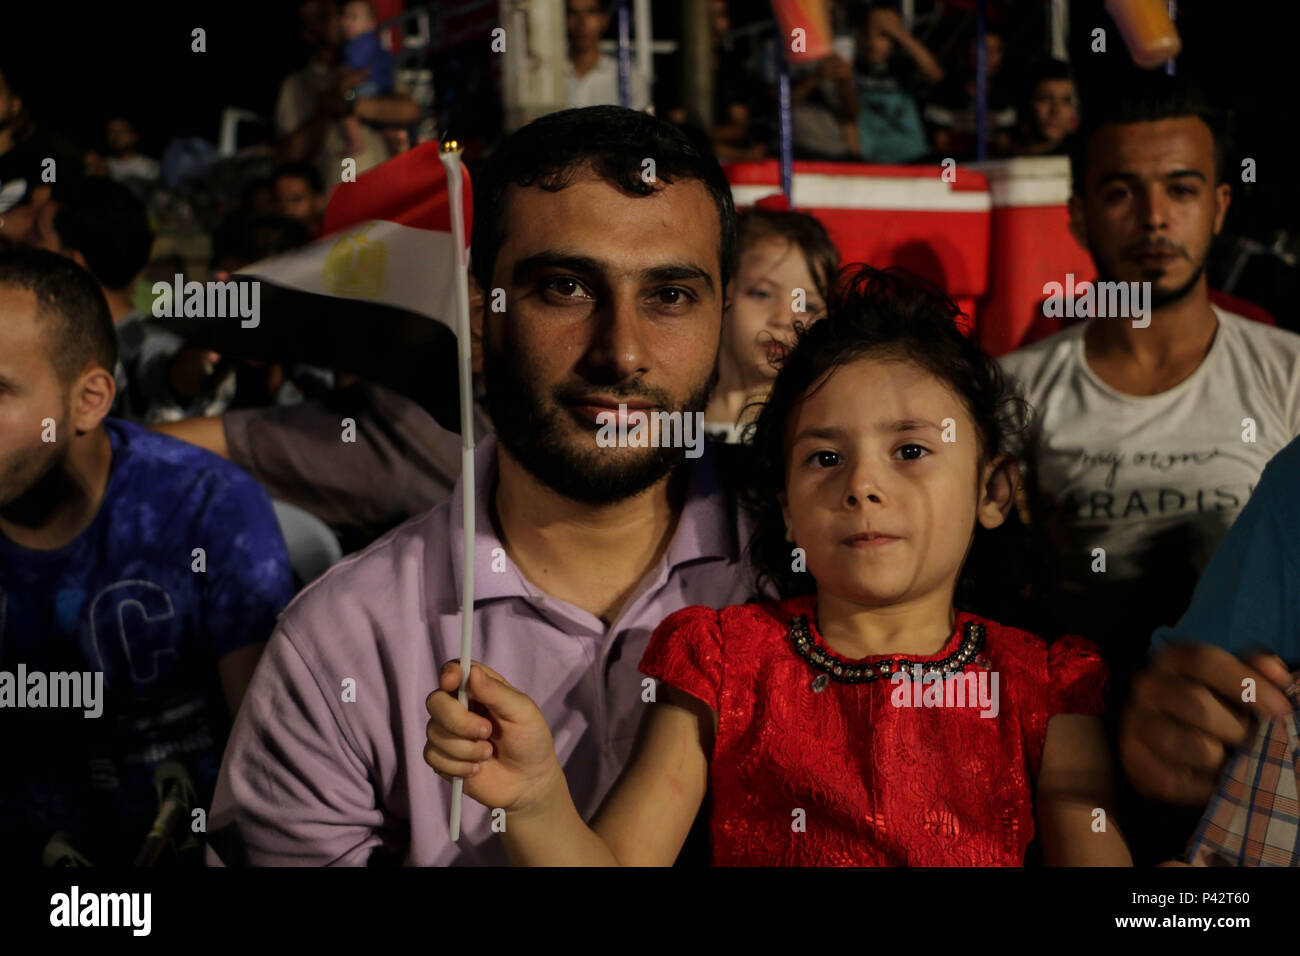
613,142
104,221
1042,71
304,171
70,308
1144,96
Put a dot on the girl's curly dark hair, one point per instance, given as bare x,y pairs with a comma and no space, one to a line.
893,313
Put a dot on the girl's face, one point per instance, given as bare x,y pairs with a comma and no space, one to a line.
758,326
884,508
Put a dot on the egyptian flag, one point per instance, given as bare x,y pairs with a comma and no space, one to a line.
374,295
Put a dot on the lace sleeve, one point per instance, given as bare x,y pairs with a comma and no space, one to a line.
686,652
1077,677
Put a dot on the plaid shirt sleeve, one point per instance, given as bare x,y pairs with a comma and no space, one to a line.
1253,819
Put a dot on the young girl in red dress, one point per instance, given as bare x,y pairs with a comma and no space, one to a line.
867,718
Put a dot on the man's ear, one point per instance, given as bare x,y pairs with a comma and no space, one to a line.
1222,200
91,398
477,306
998,491
1078,225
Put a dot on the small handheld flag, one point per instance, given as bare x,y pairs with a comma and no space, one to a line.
450,156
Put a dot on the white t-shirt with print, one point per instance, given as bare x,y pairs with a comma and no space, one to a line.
1155,480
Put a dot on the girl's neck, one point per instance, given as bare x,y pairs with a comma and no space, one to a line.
919,627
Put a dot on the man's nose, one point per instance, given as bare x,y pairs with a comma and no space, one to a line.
1154,207
617,348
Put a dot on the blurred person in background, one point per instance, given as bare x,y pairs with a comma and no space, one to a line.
786,268
124,161
314,100
300,195
742,103
101,226
892,68
22,189
1050,114
951,113
590,76
823,114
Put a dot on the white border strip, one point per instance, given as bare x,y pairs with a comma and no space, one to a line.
821,190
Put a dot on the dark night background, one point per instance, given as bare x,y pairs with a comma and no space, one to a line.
81,62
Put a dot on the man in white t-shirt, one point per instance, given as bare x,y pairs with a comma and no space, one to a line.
1150,429
591,77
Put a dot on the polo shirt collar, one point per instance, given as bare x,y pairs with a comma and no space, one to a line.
707,528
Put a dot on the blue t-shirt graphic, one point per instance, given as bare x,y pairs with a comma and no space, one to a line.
182,564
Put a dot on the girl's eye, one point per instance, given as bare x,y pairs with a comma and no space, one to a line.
911,452
760,293
824,459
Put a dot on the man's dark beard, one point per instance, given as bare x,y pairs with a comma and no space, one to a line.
1161,299
532,433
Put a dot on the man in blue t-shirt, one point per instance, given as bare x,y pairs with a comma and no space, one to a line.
1186,712
139,578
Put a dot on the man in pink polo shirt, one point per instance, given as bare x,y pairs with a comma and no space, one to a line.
613,285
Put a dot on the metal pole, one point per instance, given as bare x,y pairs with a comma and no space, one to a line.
1173,16
644,42
785,127
907,12
450,154
624,56
1059,17
697,64
981,84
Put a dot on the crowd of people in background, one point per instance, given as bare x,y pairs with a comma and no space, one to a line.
161,534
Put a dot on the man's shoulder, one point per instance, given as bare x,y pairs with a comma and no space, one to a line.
408,569
1031,363
1267,336
170,463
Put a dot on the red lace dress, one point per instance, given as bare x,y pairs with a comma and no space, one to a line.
881,778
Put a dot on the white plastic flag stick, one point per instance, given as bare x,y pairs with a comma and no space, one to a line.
450,156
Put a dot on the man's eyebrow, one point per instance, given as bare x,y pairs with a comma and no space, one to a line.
679,272
1126,177
555,260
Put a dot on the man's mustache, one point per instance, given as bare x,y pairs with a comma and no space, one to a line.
572,394
1163,248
